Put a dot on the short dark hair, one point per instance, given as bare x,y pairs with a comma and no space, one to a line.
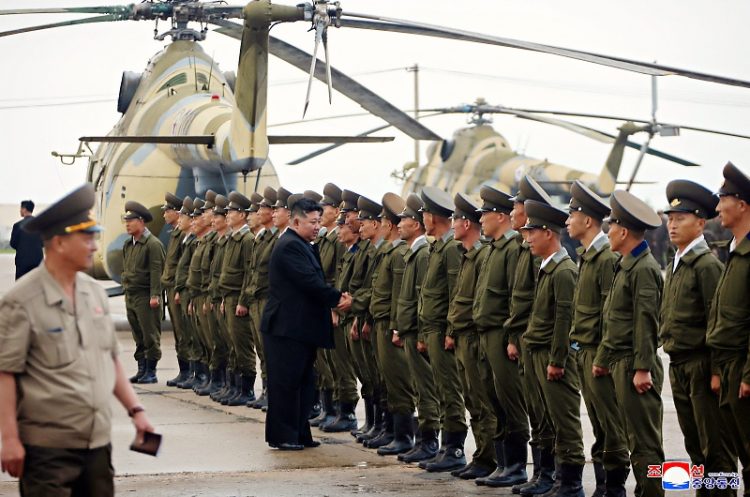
304,206
28,205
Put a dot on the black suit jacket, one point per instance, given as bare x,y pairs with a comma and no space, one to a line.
299,300
28,245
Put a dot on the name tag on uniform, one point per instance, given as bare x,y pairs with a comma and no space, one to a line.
54,330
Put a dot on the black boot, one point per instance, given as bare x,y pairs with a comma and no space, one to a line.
201,377
377,425
230,387
235,391
190,380
570,480
182,376
326,407
514,473
149,375
262,401
369,418
386,434
440,453
536,456
546,477
552,492
473,470
139,373
246,393
453,456
345,421
214,385
616,482
331,415
427,448
317,406
403,436
601,480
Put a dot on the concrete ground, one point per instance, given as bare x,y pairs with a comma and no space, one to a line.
212,450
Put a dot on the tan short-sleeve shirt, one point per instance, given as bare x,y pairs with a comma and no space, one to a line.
62,357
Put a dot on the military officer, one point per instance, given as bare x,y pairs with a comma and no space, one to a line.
728,335
408,329
546,341
491,309
59,364
143,262
181,275
596,271
171,209
462,337
630,329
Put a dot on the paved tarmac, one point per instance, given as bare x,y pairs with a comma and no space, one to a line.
212,450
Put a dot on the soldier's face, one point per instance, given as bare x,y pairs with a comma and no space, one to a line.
77,249
536,239
345,234
171,216
407,228
307,226
253,220
235,219
617,235
219,222
429,223
490,222
184,222
265,215
731,210
280,217
352,221
368,229
684,227
330,213
208,217
577,224
134,226
460,228
518,216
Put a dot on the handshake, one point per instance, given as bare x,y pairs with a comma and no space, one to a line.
345,302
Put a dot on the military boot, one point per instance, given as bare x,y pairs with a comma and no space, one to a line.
426,450
214,385
453,456
369,418
183,374
440,453
139,373
190,380
346,420
201,377
234,392
403,436
570,480
149,374
316,407
514,472
386,434
246,393
261,401
546,477
326,407
230,386
601,480
377,425
552,492
616,482
535,459
331,415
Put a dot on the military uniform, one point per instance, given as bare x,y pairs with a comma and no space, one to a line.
182,271
198,292
630,339
728,336
143,261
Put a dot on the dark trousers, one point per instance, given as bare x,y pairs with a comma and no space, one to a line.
67,472
290,389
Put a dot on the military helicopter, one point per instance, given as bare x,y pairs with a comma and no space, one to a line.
186,126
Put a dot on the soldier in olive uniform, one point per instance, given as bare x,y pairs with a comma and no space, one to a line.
171,210
266,235
143,262
491,309
182,271
728,335
386,287
596,271
408,329
330,251
546,341
522,298
630,336
463,338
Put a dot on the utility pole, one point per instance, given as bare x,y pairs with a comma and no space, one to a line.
415,69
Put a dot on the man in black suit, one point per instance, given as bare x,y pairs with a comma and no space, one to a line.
296,322
28,246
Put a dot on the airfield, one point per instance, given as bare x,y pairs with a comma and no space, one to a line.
217,451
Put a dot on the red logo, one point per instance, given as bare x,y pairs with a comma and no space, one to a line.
654,471
697,471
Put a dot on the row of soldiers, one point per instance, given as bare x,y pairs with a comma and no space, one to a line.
459,307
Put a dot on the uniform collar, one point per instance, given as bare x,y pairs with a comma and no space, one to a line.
474,250
379,242
260,233
54,294
240,232
598,245
143,238
743,247
418,243
550,263
504,239
628,261
692,251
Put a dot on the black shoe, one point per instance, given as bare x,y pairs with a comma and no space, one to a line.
382,427
139,373
546,479
616,482
246,393
475,471
369,419
149,375
570,480
213,386
183,374
202,378
453,456
327,407
190,380
345,421
286,446
312,444
426,450
514,456
457,472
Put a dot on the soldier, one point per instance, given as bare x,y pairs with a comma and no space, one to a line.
630,336
386,286
727,336
143,261
596,271
462,337
522,298
330,251
546,341
491,309
171,209
181,275
235,301
408,329
265,233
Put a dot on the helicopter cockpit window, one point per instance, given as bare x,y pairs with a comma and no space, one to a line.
180,79
202,80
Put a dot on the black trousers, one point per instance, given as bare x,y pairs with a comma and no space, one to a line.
290,389
67,472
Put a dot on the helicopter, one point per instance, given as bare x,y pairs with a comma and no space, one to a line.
186,126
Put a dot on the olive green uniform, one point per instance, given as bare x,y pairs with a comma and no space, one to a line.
257,286
409,329
330,251
182,272
728,338
365,261
143,262
198,295
437,290
174,250
629,341
474,372
547,341
596,271
222,339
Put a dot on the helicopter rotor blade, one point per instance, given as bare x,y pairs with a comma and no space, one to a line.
73,22
339,140
409,27
328,67
313,60
323,150
111,9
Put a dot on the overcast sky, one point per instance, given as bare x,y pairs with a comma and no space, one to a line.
85,63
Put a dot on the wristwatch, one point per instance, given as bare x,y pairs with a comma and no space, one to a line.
135,410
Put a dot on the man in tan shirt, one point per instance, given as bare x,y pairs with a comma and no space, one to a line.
59,364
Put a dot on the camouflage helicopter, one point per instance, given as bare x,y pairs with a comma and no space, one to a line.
186,126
